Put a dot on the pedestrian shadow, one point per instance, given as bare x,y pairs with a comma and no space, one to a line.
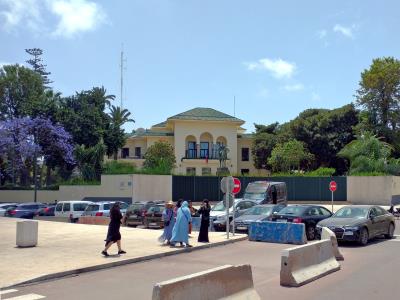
112,256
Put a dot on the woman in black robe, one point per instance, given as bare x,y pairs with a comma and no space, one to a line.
204,211
113,234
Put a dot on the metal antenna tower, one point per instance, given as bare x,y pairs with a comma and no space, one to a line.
122,69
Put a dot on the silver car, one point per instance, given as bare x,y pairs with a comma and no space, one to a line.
5,206
102,209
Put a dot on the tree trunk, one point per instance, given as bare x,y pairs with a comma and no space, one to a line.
115,155
48,175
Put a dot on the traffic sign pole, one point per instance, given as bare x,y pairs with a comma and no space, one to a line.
233,215
332,188
227,195
332,201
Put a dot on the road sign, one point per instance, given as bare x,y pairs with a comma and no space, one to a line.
332,186
236,186
227,182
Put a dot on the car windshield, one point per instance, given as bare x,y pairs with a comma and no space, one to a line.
155,209
220,206
351,212
92,207
258,210
292,210
135,207
254,196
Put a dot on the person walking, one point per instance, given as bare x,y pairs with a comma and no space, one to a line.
169,222
180,233
113,234
193,212
204,211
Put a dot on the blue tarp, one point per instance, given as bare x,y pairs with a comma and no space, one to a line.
277,232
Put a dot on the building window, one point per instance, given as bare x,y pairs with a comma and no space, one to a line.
206,171
204,150
245,154
125,152
191,152
245,172
138,152
191,171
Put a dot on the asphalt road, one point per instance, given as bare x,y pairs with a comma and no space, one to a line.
370,272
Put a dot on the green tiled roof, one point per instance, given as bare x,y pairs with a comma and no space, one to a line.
148,132
206,114
162,124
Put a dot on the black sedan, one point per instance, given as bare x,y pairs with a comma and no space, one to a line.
256,213
310,215
360,223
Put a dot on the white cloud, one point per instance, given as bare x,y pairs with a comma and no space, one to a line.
76,16
73,16
277,67
15,12
346,31
294,87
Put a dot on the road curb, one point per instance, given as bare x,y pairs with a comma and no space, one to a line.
119,263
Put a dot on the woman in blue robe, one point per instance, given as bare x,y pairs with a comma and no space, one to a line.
169,221
180,233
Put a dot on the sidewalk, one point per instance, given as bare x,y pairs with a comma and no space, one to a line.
65,249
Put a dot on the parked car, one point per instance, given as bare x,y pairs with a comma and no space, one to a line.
218,212
256,213
135,213
266,192
71,209
360,223
102,209
153,216
5,206
47,211
310,215
24,210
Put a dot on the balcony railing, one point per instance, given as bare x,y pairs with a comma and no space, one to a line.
201,154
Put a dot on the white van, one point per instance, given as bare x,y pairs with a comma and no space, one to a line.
71,209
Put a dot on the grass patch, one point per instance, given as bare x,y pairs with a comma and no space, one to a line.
119,168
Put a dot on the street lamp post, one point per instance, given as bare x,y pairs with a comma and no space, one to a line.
35,168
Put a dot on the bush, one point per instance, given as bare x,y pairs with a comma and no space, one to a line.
322,172
80,181
116,167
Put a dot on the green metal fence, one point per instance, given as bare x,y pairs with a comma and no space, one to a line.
197,188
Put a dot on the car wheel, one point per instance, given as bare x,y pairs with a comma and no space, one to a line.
310,232
364,237
390,231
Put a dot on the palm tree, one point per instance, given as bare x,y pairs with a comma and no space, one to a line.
119,116
101,93
115,136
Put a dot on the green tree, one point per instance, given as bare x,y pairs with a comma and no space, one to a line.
379,96
369,154
90,161
325,132
114,136
264,140
290,155
36,62
160,158
83,115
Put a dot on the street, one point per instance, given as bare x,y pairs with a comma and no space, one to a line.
369,272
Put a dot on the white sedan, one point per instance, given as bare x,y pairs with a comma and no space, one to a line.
4,206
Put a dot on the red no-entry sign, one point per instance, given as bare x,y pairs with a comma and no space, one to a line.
236,186
332,186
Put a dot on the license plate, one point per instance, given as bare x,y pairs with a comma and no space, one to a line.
348,233
282,220
241,228
153,224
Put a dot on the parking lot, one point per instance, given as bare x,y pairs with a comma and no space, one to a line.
370,271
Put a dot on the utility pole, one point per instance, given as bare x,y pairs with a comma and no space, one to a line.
35,167
234,106
122,68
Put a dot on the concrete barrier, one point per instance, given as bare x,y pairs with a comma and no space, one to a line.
327,234
303,264
276,232
94,220
27,233
235,282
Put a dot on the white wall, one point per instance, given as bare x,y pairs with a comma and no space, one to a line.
371,189
27,196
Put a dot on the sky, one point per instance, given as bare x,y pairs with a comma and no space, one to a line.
275,58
